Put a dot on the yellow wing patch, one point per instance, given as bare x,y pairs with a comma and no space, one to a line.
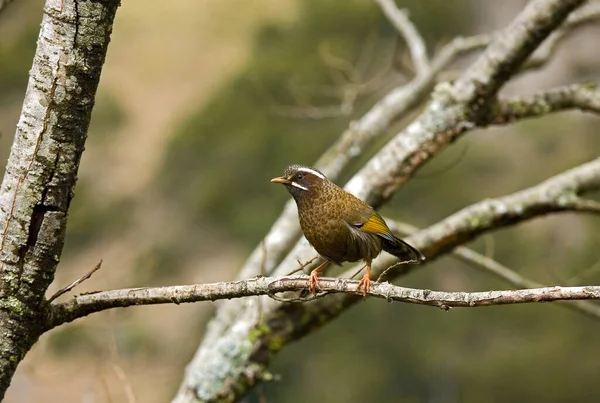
376,225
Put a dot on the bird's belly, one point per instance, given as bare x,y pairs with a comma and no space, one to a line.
336,243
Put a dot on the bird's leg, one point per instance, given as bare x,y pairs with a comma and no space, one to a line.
313,279
365,282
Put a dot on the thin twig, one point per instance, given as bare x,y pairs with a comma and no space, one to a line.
118,368
76,282
414,40
263,269
302,265
586,205
592,270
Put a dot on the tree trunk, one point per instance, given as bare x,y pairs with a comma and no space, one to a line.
42,168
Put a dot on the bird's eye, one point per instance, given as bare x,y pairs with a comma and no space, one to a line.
299,177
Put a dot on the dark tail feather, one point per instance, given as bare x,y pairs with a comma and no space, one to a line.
402,250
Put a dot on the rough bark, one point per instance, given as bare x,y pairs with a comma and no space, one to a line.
42,168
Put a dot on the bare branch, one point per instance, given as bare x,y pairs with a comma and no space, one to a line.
76,282
578,19
557,194
585,15
509,50
585,97
585,205
406,28
83,305
491,266
41,173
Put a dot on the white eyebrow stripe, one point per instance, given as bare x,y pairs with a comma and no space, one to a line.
299,186
312,171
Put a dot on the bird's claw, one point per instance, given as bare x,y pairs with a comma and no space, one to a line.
365,284
313,282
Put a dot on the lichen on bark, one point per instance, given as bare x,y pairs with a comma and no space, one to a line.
41,173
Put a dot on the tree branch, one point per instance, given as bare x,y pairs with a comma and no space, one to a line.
560,193
42,168
584,97
508,51
76,282
437,127
406,28
585,15
83,305
498,270
491,266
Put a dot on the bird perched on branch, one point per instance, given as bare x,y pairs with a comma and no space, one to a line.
340,226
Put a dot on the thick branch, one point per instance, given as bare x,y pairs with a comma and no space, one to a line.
42,168
508,51
578,19
588,13
83,305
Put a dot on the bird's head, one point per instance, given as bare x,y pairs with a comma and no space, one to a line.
301,181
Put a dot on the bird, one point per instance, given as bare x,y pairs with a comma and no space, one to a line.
340,226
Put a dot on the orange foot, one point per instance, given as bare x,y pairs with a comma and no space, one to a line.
313,279
365,282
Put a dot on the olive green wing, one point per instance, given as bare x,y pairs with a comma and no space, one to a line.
374,224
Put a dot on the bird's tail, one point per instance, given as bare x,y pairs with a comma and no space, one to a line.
402,250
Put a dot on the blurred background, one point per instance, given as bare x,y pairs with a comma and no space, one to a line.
201,103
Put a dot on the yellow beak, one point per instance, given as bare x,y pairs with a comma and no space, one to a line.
281,179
